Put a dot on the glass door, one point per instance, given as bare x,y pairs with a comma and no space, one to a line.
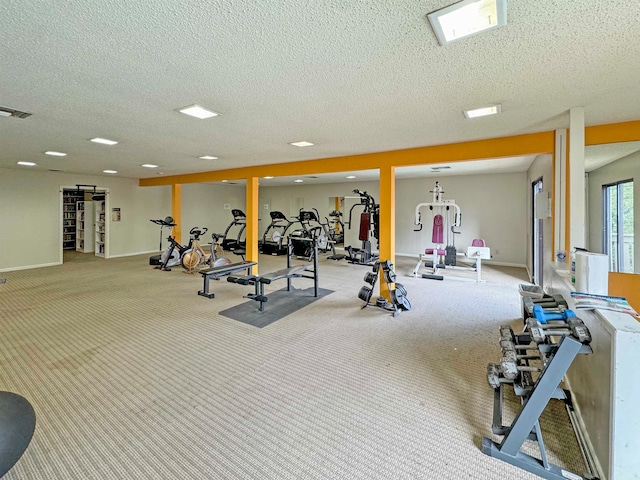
618,225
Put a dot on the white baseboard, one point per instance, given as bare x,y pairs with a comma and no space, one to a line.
149,252
29,267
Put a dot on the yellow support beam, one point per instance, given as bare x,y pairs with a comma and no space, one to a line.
612,133
494,148
176,211
387,221
252,222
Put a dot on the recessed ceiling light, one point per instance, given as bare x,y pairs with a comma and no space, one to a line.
301,144
198,112
149,165
104,141
55,154
483,112
351,176
160,173
225,181
27,164
208,157
109,171
5,114
268,178
299,180
466,18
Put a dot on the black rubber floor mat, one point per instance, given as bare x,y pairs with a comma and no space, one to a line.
280,304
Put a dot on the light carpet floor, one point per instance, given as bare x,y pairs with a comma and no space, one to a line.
133,375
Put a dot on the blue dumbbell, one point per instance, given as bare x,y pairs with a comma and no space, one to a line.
543,316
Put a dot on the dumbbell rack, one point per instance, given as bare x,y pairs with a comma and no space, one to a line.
556,358
398,292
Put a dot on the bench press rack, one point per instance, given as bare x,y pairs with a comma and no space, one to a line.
217,272
556,357
292,271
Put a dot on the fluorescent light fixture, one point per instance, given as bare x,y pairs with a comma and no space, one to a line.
301,144
208,157
27,164
466,18
149,165
299,180
104,141
198,112
267,178
109,171
483,112
350,177
55,154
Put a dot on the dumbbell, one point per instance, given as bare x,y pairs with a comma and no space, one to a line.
573,326
495,377
543,316
547,302
510,366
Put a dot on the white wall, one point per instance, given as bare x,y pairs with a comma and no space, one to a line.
624,169
31,223
203,206
493,207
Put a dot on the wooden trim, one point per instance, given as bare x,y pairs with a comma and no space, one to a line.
176,210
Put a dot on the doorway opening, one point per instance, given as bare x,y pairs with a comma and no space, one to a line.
537,232
84,232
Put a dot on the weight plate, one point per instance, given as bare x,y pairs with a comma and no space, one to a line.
365,294
401,289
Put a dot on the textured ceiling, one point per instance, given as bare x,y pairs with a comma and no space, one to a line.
352,76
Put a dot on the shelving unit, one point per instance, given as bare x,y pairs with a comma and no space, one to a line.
84,227
69,199
100,231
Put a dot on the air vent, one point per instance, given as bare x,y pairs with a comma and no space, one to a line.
312,177
437,169
53,170
10,112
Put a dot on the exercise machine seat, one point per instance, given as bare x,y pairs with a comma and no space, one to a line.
429,251
478,242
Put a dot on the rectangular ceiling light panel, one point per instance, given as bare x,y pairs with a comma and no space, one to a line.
198,112
466,18
483,112
104,141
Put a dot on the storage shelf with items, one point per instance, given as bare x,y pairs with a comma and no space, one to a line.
84,227
100,230
69,199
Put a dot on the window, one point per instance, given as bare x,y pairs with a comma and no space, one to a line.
618,225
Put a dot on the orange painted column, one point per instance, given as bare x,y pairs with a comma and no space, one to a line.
176,210
626,285
387,241
252,222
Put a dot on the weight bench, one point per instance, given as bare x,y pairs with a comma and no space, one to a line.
217,272
259,281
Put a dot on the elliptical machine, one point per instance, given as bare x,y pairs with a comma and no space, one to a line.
369,224
274,241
